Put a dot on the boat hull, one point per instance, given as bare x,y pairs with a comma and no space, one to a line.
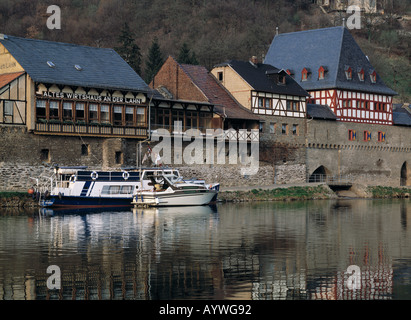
157,199
85,202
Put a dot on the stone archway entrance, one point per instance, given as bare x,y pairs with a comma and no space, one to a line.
405,179
319,175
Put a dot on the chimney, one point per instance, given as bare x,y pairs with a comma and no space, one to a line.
254,60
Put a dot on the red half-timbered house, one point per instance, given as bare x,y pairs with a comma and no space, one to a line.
330,65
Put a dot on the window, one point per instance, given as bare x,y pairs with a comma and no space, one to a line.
281,79
260,102
54,109
178,116
261,126
284,129
361,74
67,110
117,190
93,113
80,111
373,77
381,136
367,136
321,72
205,120
45,155
126,190
220,76
379,106
272,127
352,135
41,109
85,149
348,73
191,119
118,116
295,130
141,116
129,116
293,105
304,75
105,113
346,104
119,157
164,118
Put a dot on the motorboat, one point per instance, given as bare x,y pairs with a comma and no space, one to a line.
166,192
77,187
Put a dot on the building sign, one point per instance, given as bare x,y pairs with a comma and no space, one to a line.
90,97
7,65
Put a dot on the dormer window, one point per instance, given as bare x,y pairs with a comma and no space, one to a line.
281,79
304,74
361,74
348,73
373,76
321,72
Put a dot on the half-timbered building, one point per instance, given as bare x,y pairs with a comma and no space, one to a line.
78,105
262,88
330,65
195,83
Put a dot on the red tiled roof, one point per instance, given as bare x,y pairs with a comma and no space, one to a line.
216,94
5,79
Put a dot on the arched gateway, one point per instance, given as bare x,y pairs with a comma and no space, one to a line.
319,175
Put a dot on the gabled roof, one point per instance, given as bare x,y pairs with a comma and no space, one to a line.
224,103
317,111
261,78
334,48
100,67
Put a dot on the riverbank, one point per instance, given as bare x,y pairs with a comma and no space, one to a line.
310,192
13,199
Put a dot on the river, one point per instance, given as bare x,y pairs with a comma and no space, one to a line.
259,251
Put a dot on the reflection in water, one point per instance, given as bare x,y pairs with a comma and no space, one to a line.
280,250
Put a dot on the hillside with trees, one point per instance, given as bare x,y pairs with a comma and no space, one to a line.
208,32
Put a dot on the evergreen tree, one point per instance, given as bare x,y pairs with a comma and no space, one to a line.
128,49
154,62
185,56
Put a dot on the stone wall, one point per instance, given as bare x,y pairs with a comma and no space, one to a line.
370,162
283,158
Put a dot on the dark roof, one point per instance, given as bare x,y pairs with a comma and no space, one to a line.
263,77
317,111
334,48
401,116
224,103
101,68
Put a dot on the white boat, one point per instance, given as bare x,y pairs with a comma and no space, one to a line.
165,192
76,187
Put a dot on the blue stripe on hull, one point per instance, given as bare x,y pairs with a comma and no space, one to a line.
86,202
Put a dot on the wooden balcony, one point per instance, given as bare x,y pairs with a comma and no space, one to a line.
90,130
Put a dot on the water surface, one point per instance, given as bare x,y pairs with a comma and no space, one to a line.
259,251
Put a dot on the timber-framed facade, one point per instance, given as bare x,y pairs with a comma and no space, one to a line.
262,88
336,73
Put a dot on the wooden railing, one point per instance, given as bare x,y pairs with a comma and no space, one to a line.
93,130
